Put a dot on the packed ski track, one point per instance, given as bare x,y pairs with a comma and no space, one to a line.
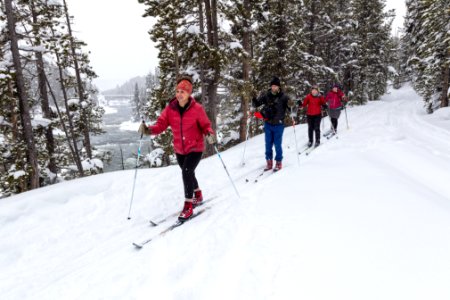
365,216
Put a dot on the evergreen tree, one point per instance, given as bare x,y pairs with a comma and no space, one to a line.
371,41
136,104
41,27
239,78
427,43
31,168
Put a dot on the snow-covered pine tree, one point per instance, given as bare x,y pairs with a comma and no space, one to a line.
30,169
238,75
272,42
427,41
12,147
371,39
31,24
83,114
395,64
334,33
40,24
317,29
136,104
80,64
189,40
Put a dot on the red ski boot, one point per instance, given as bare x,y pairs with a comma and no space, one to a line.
278,166
269,165
187,212
198,198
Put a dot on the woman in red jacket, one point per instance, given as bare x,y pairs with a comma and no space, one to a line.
189,124
336,101
313,102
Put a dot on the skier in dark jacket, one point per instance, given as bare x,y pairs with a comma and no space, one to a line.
275,104
314,103
189,124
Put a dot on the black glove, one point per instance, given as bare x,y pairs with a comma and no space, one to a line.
324,106
299,102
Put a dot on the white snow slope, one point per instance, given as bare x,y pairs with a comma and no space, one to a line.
365,216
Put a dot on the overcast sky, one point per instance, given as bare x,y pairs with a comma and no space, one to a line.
118,39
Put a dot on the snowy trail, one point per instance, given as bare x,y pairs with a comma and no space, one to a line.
365,216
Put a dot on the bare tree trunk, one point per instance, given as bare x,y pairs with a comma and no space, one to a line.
445,85
175,50
15,119
75,156
23,97
69,118
245,99
84,119
213,66
74,151
44,96
202,34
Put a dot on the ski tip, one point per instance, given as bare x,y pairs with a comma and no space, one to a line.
138,246
181,221
153,223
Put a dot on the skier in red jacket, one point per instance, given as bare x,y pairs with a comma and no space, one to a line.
314,102
336,101
189,124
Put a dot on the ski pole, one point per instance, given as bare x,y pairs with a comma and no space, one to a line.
135,173
295,137
346,118
323,124
246,137
226,170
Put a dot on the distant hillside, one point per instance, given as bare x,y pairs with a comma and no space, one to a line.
127,88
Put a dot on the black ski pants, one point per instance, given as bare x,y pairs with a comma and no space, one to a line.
314,126
334,122
188,163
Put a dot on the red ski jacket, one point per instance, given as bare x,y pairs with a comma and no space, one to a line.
335,99
188,129
314,104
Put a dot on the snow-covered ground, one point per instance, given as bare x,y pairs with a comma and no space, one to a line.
365,216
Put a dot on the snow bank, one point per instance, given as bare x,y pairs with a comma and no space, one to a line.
92,164
155,157
443,113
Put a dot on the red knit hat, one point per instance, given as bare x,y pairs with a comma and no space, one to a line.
185,85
